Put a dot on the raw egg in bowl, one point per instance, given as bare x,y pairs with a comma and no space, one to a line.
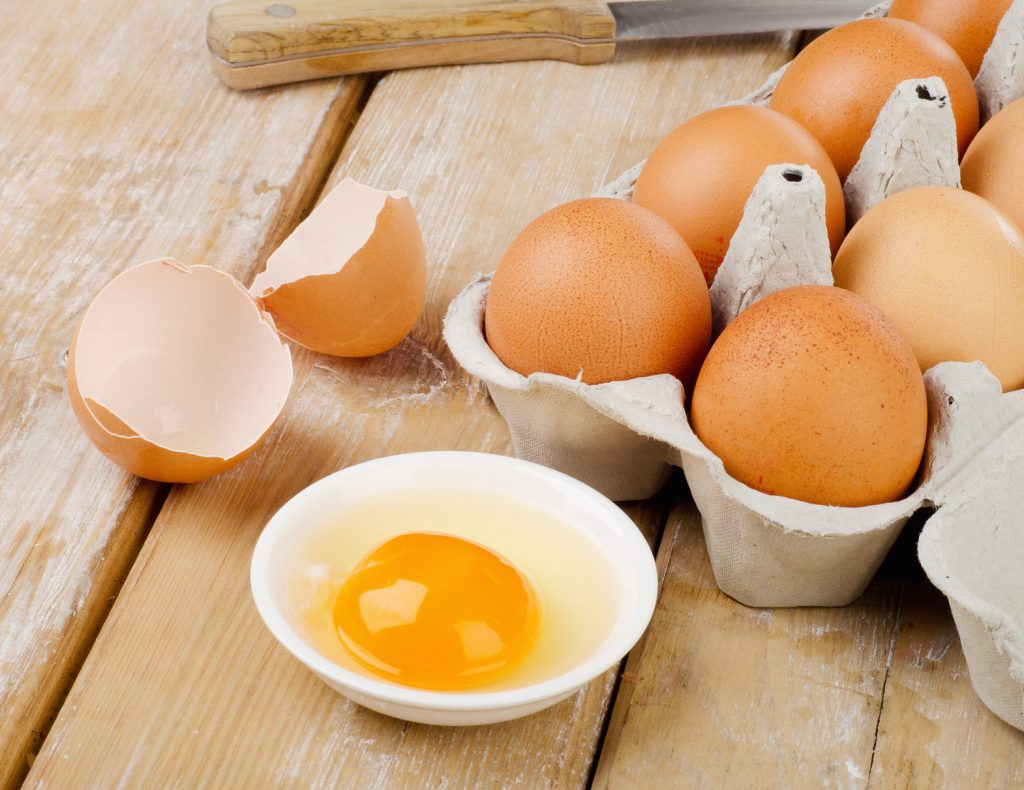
454,588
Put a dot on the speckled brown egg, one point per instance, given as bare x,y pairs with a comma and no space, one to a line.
700,176
837,85
813,394
602,289
993,166
948,268
966,25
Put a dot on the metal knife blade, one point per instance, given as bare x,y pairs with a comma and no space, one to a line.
653,19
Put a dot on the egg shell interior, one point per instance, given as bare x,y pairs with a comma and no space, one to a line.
176,370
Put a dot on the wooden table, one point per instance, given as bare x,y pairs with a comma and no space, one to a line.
131,654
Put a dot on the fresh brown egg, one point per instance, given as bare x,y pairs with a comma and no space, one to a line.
602,289
351,278
839,83
175,373
966,25
813,394
948,268
993,166
700,176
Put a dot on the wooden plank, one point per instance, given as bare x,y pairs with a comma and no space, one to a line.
184,686
934,731
118,145
722,695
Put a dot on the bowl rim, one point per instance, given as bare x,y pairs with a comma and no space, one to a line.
633,557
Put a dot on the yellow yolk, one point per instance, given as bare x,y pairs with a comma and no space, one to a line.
437,612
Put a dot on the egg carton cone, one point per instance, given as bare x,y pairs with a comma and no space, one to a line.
624,437
1000,79
973,548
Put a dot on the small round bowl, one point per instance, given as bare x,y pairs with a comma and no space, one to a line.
576,505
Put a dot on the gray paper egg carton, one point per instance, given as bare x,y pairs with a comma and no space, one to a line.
624,437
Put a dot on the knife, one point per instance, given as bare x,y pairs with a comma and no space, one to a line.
256,43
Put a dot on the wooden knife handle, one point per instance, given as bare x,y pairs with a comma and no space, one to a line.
256,43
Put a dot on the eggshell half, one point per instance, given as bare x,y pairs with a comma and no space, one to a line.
175,373
351,279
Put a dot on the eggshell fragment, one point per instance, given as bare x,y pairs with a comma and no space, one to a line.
175,373
351,279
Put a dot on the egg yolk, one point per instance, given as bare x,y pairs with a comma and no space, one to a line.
437,612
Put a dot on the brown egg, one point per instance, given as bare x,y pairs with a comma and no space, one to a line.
948,268
175,373
601,289
812,394
700,176
993,166
351,278
966,25
839,83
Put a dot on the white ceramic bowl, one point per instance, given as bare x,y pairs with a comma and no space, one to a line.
578,506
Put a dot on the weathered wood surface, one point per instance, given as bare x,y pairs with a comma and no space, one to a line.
722,695
934,731
184,686
875,694
117,144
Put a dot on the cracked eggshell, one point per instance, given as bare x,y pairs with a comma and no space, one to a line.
350,280
175,373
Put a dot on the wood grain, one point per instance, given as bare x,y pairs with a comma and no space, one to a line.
247,76
184,686
244,31
722,695
934,731
118,145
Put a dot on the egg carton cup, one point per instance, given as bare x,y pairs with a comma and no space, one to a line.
973,550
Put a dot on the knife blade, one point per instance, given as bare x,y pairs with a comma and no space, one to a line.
658,19
256,43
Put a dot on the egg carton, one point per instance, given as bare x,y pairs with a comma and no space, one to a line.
624,437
